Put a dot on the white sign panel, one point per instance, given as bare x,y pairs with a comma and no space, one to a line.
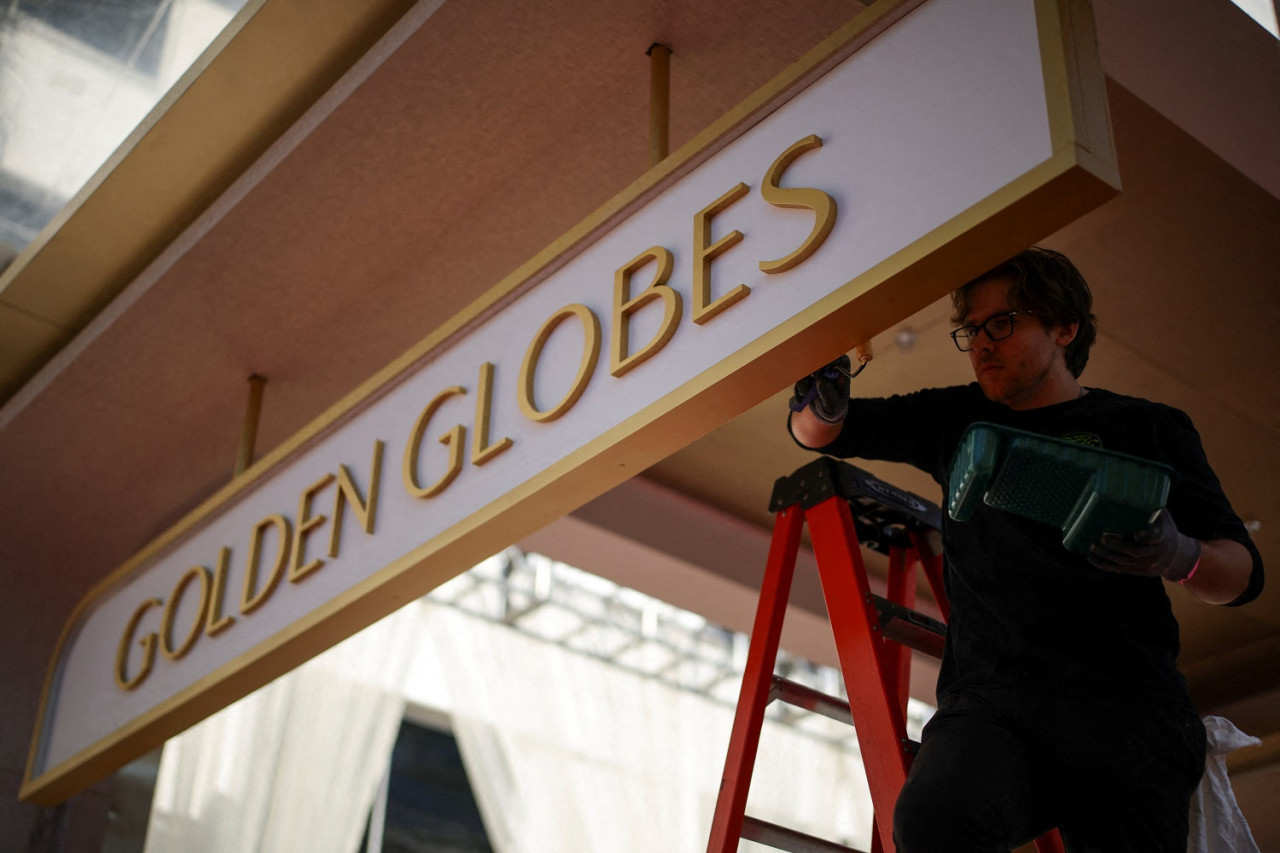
704,287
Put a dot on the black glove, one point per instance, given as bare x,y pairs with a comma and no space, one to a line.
1157,550
825,392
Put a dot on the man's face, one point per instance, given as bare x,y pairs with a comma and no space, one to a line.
1026,369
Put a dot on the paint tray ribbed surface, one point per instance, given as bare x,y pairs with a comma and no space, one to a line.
1085,491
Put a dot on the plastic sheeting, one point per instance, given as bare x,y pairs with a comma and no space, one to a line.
1217,824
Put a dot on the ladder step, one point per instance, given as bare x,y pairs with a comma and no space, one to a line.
910,628
810,700
818,702
781,838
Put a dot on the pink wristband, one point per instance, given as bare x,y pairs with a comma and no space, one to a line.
1192,573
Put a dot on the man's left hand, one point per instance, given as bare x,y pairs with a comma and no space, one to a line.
1158,550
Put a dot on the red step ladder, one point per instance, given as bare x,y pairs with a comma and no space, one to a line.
844,507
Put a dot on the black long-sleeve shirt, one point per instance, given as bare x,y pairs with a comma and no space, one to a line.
1025,611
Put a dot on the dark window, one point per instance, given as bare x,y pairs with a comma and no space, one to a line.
129,805
430,807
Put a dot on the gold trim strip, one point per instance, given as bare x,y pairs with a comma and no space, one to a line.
595,467
1073,75
1072,182
826,54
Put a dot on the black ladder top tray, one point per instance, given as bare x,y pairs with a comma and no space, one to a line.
883,514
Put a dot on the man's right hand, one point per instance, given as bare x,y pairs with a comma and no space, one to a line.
825,392
1158,550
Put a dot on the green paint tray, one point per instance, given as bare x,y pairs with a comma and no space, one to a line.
1083,490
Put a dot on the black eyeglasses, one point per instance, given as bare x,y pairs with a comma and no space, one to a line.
997,328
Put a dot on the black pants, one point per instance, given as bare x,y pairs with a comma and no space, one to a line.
998,768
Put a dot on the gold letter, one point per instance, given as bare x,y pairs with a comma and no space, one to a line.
217,622
348,493
590,351
148,647
705,252
454,439
823,205
306,523
481,450
171,612
624,306
251,600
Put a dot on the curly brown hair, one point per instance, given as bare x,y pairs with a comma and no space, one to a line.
1044,283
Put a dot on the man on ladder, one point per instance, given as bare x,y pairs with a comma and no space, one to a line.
1059,700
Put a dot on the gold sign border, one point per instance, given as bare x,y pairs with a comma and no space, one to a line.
1080,175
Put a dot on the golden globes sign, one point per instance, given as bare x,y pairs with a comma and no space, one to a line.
912,149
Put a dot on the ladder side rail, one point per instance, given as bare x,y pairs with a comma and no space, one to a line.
901,589
877,715
757,679
931,565
876,845
1050,842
